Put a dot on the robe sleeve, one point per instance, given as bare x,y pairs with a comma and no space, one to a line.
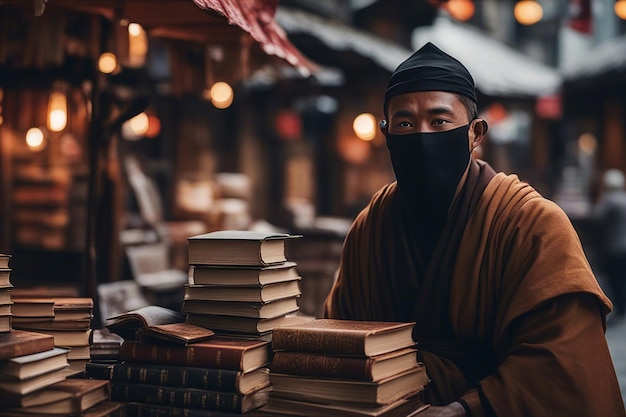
546,368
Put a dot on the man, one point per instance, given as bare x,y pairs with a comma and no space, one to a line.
610,213
509,317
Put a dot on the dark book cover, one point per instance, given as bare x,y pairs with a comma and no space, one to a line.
188,397
191,377
220,353
127,324
20,343
151,410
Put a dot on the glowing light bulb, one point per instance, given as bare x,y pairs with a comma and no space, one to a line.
107,63
364,126
222,95
528,12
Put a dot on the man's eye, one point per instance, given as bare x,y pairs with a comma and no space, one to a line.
439,122
404,124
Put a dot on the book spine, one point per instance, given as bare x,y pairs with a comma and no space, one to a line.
319,341
148,410
205,356
319,365
175,396
190,377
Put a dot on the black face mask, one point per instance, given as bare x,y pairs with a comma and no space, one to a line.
429,166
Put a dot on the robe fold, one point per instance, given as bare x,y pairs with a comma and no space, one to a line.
510,315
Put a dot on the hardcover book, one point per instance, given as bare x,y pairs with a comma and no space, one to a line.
26,386
4,260
192,377
5,277
33,307
188,397
241,308
372,368
263,294
176,333
28,366
20,343
404,407
237,247
220,353
244,276
70,396
127,324
347,337
70,337
236,324
331,390
42,325
152,410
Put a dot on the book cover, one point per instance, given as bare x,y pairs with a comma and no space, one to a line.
33,307
51,324
26,386
5,277
237,247
404,407
28,366
220,353
152,410
385,391
127,324
4,260
262,294
20,343
236,324
348,337
365,368
274,308
176,333
69,396
245,276
191,377
188,397
70,338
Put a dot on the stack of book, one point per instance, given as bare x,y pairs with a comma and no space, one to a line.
179,369
36,379
67,319
241,283
332,367
5,293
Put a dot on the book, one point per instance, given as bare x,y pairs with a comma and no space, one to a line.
104,409
33,307
221,353
5,258
372,368
268,310
404,407
5,277
188,397
236,324
5,309
244,276
152,410
192,377
21,342
5,295
237,247
5,323
99,370
176,333
332,390
262,294
28,366
25,386
347,337
73,308
52,324
127,324
70,396
79,353
70,337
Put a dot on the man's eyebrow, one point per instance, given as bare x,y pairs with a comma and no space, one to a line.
440,110
402,113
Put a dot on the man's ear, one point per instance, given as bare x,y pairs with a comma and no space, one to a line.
478,131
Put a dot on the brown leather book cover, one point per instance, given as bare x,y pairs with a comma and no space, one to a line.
19,343
220,353
176,333
347,337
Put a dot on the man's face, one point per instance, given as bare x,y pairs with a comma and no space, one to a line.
425,111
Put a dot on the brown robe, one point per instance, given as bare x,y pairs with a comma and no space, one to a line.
509,316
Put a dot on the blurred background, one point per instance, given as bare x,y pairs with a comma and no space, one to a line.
127,126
